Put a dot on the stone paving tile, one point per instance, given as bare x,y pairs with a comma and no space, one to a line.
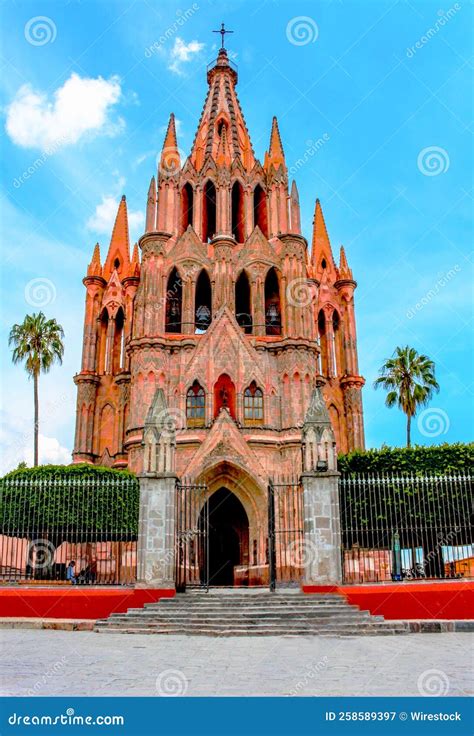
86,663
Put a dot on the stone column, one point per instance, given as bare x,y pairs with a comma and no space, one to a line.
156,531
322,528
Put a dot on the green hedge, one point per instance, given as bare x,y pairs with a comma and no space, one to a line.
70,503
437,459
68,471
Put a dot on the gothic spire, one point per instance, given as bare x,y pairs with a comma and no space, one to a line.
295,220
170,162
95,268
344,271
151,207
119,249
222,110
321,246
275,155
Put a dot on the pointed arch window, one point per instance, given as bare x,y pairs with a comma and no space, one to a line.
195,406
237,198
243,309
272,304
209,201
118,344
221,126
187,204
174,302
336,362
260,209
253,404
203,303
102,360
323,344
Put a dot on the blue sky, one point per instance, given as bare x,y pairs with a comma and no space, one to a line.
86,93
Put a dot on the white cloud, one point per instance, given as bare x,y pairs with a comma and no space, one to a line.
182,52
82,105
102,221
19,448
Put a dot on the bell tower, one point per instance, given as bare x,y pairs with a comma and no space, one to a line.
229,316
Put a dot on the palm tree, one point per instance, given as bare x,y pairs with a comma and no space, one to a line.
410,381
38,342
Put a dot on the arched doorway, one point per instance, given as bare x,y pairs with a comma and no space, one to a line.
228,536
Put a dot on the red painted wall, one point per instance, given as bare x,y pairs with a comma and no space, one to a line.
74,602
423,600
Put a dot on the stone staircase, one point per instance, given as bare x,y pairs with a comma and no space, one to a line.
251,612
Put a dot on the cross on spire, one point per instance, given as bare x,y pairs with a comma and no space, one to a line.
222,31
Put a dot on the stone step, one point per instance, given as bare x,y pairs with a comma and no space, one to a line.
260,614
267,613
283,610
314,621
216,626
249,596
243,604
289,605
251,631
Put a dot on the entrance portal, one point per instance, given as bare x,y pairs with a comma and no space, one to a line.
228,536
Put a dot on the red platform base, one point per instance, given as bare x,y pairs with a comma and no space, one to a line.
75,602
415,600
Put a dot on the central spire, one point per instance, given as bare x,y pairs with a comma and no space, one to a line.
222,125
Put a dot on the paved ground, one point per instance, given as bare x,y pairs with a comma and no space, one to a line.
85,663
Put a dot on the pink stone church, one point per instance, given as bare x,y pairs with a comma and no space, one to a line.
205,347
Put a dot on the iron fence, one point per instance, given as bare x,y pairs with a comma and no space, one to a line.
48,522
396,527
286,548
192,536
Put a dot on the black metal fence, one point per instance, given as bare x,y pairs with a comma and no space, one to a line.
192,536
77,530
396,527
286,548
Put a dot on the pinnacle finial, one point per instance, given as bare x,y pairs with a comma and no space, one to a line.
170,161
321,245
344,270
275,153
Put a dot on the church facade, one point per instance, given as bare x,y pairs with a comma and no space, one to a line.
204,355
